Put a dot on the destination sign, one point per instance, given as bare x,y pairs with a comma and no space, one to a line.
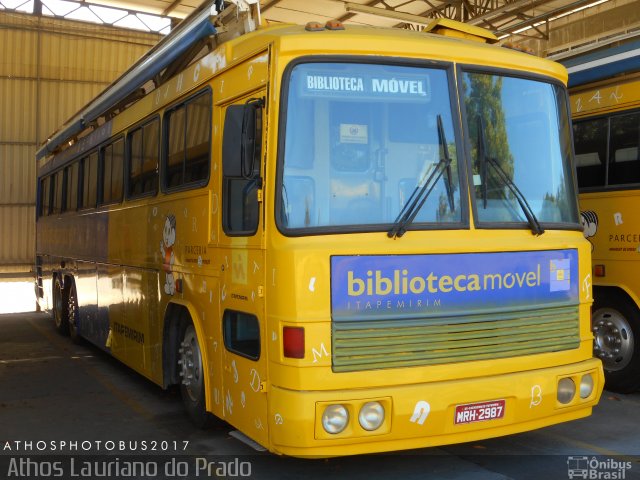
320,84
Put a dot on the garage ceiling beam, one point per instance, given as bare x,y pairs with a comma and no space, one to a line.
512,29
171,7
269,5
507,7
383,12
350,15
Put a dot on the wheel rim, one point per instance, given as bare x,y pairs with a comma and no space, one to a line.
57,305
613,339
72,312
190,363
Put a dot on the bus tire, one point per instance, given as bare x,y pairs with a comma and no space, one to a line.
616,328
74,314
60,307
191,373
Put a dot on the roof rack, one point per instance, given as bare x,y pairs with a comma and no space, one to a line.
208,26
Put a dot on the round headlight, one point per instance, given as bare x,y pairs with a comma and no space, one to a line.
335,418
566,390
586,385
371,416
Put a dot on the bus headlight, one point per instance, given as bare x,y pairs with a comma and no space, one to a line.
335,418
586,386
566,390
371,416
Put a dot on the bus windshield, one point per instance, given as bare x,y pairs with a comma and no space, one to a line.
519,134
365,148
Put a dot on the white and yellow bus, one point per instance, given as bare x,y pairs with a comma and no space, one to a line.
606,126
338,239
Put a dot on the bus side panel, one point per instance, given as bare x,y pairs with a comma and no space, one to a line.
612,225
242,255
136,337
85,279
110,306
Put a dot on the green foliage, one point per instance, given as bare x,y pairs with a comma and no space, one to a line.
483,100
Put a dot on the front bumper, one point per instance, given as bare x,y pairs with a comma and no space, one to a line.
423,415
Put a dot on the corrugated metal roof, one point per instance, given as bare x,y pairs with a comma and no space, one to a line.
498,15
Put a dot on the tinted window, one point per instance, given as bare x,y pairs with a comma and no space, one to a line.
624,164
45,196
143,159
188,137
112,172
590,141
242,334
72,187
90,180
58,192
240,206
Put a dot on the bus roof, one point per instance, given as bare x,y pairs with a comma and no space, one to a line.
295,40
380,41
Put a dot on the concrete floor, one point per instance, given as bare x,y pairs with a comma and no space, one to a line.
54,391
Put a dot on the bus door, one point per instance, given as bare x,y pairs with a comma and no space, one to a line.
243,266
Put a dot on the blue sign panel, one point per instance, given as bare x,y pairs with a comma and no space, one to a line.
392,286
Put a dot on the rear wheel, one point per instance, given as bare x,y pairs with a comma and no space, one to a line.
192,376
60,307
616,330
74,314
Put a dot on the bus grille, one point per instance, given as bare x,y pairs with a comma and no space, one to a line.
377,344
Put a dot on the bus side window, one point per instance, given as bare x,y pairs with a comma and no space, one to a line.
143,147
590,138
71,199
241,333
241,152
624,163
112,172
45,196
187,139
90,180
58,192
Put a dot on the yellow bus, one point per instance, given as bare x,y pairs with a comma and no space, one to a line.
337,239
606,127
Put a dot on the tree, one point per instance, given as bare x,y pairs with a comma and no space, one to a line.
483,100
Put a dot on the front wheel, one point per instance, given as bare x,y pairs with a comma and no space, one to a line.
192,377
616,329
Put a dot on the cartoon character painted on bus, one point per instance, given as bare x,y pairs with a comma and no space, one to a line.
168,257
589,220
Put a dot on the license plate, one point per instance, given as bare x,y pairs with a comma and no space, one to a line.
479,412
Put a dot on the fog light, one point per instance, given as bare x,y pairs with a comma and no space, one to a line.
566,390
335,418
371,416
586,385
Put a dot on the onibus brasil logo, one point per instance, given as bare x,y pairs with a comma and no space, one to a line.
597,468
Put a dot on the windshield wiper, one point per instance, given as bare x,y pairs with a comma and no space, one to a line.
485,160
423,190
482,156
442,140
